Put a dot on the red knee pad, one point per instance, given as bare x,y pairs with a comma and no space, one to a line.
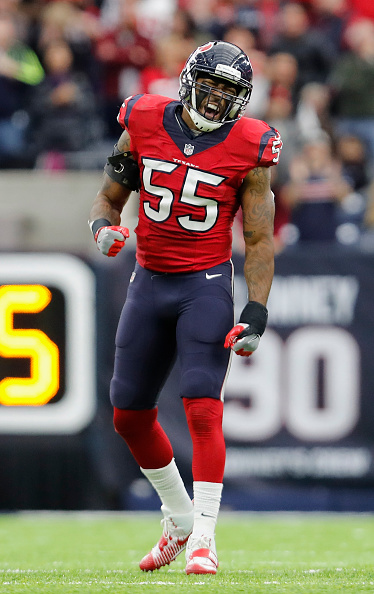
145,437
204,418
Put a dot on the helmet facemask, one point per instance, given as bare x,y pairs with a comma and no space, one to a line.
216,100
193,93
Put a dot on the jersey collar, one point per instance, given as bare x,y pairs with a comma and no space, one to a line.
180,133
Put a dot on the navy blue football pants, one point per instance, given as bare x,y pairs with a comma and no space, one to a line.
167,314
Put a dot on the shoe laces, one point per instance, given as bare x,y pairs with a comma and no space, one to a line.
170,530
200,542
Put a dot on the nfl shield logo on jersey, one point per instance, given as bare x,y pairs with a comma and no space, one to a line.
188,149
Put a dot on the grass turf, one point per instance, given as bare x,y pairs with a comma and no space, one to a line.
98,553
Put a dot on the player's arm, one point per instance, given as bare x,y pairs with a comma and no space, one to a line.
257,201
121,177
258,227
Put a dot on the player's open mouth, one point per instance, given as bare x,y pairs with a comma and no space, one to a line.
212,111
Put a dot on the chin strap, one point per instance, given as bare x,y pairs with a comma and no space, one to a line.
202,123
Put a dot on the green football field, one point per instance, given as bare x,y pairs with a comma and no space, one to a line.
273,553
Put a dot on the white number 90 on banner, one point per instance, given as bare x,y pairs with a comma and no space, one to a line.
283,380
46,344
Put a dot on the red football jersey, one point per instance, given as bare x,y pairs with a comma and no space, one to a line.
189,187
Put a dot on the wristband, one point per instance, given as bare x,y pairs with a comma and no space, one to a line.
96,225
256,316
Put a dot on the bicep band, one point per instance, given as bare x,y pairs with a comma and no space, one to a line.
122,169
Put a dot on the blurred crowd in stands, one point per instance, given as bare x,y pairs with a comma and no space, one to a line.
67,65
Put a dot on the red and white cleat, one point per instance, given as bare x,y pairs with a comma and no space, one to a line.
201,556
172,542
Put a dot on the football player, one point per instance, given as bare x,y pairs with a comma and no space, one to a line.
195,162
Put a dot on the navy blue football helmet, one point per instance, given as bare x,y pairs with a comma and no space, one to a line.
222,61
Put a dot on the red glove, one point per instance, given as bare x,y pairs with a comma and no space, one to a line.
241,340
110,240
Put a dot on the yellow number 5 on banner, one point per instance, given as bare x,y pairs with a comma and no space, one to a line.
34,344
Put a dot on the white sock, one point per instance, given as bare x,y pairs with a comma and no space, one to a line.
169,485
207,500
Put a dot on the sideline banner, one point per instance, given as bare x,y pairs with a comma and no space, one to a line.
299,412
302,406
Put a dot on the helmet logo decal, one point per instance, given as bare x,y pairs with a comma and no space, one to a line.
188,149
206,47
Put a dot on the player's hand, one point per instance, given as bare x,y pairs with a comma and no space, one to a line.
242,340
110,240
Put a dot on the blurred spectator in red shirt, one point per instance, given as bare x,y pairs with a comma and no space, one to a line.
363,8
283,72
122,53
162,78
